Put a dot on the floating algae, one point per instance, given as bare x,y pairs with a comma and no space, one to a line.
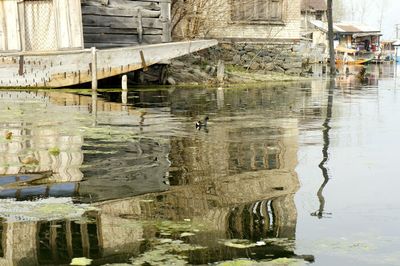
55,151
277,262
43,209
166,252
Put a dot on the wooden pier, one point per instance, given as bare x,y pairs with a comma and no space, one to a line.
66,68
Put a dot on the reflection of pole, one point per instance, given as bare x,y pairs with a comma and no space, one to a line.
325,153
124,95
220,98
94,107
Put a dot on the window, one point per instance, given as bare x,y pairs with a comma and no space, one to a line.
256,10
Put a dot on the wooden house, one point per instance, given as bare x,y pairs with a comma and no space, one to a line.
42,42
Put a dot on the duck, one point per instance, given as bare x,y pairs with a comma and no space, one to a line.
200,124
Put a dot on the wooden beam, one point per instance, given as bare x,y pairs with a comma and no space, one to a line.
120,12
120,22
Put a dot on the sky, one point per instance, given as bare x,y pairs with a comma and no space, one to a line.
373,10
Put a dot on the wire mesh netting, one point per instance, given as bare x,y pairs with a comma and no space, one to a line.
40,28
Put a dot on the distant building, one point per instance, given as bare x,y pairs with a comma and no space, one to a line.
357,36
314,10
250,21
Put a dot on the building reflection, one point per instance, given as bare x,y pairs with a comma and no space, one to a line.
239,183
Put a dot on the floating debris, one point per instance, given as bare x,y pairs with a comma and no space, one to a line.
29,160
81,261
238,243
8,135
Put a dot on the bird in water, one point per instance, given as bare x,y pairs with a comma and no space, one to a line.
200,124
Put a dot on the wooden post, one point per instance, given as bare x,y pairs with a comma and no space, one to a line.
124,82
165,19
94,68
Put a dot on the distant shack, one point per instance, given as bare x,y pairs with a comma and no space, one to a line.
43,42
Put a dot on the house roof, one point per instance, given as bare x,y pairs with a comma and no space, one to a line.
355,28
316,5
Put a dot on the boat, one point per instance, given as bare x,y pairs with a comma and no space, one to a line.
347,56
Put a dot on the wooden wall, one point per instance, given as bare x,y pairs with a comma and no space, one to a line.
23,25
119,23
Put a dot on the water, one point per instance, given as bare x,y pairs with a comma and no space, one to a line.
289,173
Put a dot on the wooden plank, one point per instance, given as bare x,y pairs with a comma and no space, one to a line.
62,16
121,38
108,45
108,30
119,12
120,22
76,24
152,5
165,19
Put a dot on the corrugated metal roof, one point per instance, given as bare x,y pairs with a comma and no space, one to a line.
324,26
317,5
354,28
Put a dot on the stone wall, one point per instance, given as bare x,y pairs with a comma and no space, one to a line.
272,57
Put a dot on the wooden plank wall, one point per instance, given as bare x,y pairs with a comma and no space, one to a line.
120,23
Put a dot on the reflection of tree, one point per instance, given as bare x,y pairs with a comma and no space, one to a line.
325,154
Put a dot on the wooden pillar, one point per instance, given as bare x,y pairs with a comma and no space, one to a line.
94,68
124,82
165,18
85,240
68,237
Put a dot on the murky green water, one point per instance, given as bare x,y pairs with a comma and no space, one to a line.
285,174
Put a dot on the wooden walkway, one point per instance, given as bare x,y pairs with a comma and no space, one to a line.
66,68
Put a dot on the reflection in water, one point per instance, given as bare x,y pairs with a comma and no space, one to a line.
325,153
235,184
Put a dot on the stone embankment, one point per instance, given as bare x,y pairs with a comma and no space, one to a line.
242,62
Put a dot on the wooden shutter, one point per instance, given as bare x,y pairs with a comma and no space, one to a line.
69,23
248,10
9,26
261,10
275,9
235,10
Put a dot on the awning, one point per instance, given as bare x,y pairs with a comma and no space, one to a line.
355,35
345,50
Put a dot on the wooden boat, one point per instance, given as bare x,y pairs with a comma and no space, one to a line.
346,56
